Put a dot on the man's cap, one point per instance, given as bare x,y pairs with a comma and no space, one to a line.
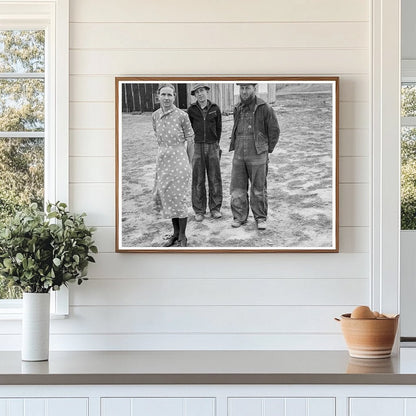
196,86
247,83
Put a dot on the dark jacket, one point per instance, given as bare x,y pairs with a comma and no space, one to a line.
266,126
206,130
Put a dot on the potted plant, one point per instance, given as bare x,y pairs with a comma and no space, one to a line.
40,252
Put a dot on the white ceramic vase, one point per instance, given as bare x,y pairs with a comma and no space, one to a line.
35,326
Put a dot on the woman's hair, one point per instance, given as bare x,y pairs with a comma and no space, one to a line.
166,85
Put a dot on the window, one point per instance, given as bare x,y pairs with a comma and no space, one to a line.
408,150
22,124
33,112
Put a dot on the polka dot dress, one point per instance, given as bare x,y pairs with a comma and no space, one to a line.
173,172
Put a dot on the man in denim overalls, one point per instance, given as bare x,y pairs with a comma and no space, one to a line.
255,134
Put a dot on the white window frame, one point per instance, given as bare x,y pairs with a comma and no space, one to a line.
385,151
53,17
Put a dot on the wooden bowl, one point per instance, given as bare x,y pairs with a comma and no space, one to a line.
369,338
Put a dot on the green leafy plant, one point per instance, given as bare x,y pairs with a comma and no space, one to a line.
43,251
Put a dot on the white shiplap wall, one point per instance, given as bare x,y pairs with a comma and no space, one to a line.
214,301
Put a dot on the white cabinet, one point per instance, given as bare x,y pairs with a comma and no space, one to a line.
208,400
159,406
281,406
382,406
44,407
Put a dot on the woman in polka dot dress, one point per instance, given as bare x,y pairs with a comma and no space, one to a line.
175,139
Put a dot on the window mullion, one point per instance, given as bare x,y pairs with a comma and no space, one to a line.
408,121
22,75
17,134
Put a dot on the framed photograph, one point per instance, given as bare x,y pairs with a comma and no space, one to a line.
226,164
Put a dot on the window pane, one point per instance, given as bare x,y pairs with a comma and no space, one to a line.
22,51
21,173
22,105
408,99
408,178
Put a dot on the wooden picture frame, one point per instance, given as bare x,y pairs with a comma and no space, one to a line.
302,170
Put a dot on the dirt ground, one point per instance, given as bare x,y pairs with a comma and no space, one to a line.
299,184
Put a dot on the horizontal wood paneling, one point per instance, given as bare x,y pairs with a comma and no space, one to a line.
92,143
354,115
105,238
223,36
354,142
200,319
219,62
354,169
161,320
191,341
99,88
219,11
231,265
92,115
354,239
92,169
354,206
220,291
96,199
94,88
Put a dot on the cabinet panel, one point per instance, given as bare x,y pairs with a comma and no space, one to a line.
199,407
116,407
157,407
3,407
67,407
15,407
321,407
44,407
160,406
245,407
410,407
377,407
34,407
274,407
298,406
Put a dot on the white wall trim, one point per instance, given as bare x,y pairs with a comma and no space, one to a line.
385,113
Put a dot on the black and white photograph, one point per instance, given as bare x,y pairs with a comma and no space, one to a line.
227,164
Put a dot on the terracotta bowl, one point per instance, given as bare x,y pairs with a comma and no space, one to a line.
369,366
369,338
